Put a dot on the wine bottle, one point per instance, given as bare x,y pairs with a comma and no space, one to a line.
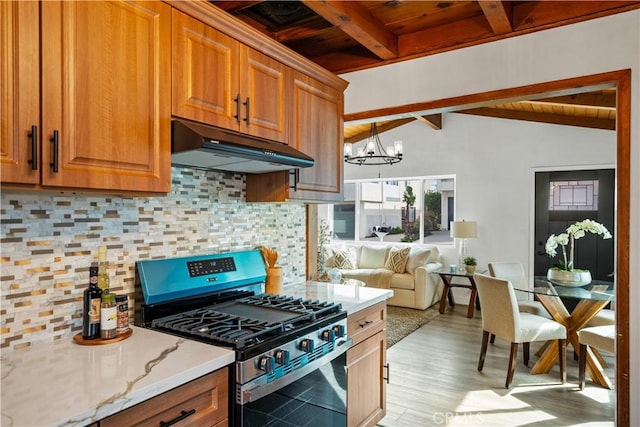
91,307
103,276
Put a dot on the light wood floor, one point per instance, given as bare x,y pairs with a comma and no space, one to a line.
434,381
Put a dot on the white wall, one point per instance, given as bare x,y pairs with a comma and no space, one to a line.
606,44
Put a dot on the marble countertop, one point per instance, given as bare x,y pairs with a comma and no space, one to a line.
352,296
67,384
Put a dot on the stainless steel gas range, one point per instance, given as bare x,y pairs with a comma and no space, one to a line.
290,352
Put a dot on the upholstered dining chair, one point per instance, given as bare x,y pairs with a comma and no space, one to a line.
605,317
514,272
500,316
600,337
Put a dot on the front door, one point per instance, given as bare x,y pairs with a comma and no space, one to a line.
565,197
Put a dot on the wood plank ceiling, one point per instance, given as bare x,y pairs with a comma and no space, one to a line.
344,36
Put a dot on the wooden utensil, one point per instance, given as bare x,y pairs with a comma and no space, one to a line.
270,256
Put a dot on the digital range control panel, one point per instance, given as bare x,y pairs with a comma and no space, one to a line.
210,266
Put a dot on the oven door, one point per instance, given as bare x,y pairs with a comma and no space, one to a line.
316,396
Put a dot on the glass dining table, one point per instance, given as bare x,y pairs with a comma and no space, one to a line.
590,300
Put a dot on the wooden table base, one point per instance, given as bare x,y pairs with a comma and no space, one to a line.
446,293
574,321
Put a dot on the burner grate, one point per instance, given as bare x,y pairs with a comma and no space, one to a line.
314,308
222,327
247,322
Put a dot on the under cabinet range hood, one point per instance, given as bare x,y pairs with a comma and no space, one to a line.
207,147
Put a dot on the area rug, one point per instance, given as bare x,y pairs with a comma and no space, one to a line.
402,321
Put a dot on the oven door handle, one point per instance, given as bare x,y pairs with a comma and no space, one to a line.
247,395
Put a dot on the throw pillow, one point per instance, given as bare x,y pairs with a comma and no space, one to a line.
435,255
327,254
397,259
372,256
343,259
417,258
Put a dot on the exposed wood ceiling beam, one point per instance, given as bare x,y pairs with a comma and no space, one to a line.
525,18
300,32
434,121
607,124
606,100
355,20
498,13
544,14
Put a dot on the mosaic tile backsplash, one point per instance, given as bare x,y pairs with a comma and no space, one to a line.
49,241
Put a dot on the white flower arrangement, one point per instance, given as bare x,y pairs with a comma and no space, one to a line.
573,233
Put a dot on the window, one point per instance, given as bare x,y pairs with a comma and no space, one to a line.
573,195
410,210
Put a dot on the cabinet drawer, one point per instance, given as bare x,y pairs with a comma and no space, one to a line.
205,398
367,322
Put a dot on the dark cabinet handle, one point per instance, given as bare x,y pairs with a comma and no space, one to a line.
293,179
237,101
182,416
387,377
34,147
54,141
247,106
368,322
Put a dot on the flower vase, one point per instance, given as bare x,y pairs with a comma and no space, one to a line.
470,269
569,278
273,283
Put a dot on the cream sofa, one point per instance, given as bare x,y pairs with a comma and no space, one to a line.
382,266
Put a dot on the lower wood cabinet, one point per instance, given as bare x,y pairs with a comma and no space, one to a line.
201,402
367,366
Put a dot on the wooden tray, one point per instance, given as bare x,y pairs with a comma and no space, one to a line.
77,338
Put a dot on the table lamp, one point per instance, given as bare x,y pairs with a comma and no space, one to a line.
463,230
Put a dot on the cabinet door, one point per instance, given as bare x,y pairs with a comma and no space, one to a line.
265,84
205,85
366,386
318,132
19,91
105,79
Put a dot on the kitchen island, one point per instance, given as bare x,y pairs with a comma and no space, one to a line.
67,384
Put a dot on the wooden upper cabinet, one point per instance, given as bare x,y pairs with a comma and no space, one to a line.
266,84
105,68
19,92
104,72
219,81
317,132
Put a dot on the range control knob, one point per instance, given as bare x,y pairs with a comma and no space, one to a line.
282,357
306,345
266,364
328,335
338,330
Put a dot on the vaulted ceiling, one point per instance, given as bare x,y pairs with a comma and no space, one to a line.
345,36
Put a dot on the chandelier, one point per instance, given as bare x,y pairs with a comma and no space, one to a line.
373,153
